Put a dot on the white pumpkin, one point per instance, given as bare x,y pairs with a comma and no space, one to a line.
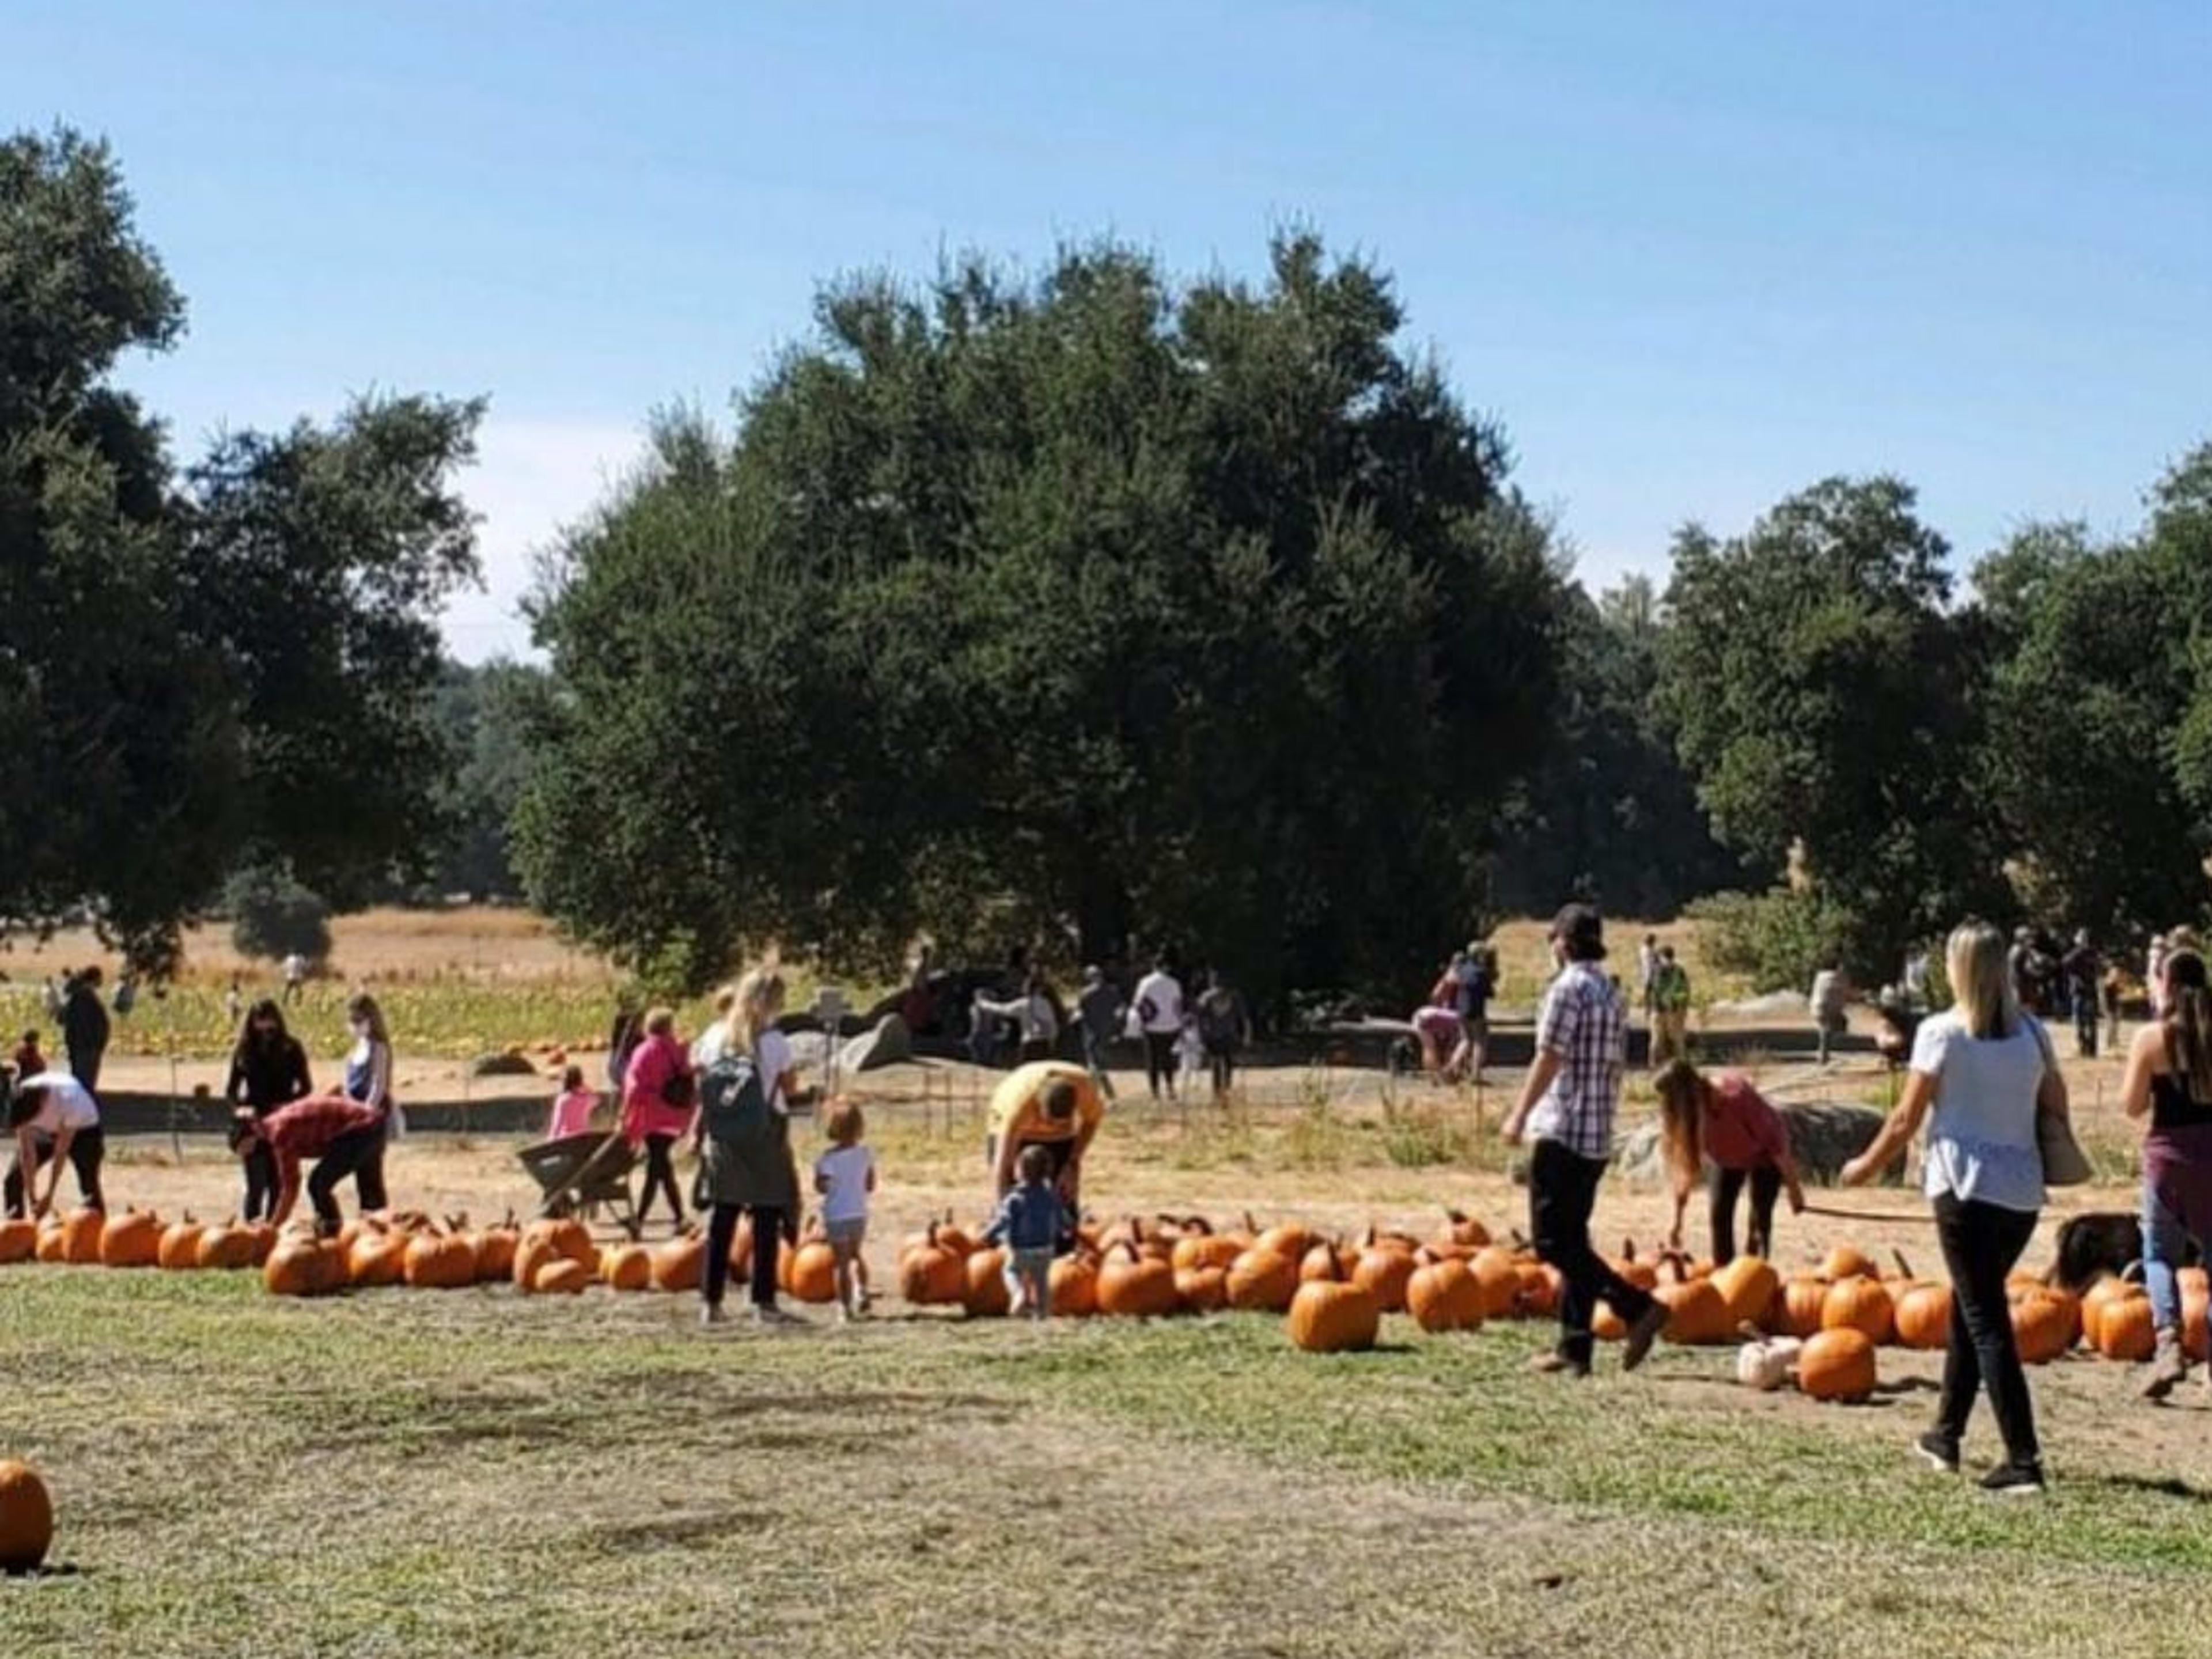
1766,1364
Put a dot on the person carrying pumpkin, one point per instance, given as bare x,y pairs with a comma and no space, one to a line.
1730,1125
341,1133
1567,1106
1048,1104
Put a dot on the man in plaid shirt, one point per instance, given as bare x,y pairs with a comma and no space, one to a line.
1566,1107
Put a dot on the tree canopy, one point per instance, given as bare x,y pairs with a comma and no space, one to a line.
1089,611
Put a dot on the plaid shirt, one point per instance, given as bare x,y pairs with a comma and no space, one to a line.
1585,1024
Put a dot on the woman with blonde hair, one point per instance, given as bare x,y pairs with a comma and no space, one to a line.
743,1135
1730,1125
1981,1071
2169,1080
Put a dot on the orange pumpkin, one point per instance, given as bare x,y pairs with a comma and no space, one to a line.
626,1267
1322,1263
1924,1316
933,1272
1287,1239
19,1241
49,1246
1861,1304
2094,1300
1838,1364
1747,1285
179,1248
302,1265
436,1262
2125,1329
1205,1249
1540,1285
986,1296
1644,1275
1073,1283
1384,1270
26,1518
1797,1306
1327,1316
132,1239
1134,1285
226,1247
677,1266
1849,1261
495,1251
810,1273
1203,1289
563,1275
1501,1281
1460,1232
1697,1313
376,1257
1444,1295
82,1231
1262,1280
2045,1322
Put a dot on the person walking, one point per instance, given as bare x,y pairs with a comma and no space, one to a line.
1826,1001
658,1098
1981,1073
1647,977
1732,1127
1670,1008
295,977
742,1131
268,1070
2168,1088
1477,984
1159,1015
368,1080
1100,1014
1224,1028
85,1028
2080,968
1567,1106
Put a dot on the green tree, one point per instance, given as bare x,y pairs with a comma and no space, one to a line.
272,916
1088,612
1824,698
237,670
481,715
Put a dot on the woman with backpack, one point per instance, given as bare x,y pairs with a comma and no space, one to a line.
657,1101
742,1133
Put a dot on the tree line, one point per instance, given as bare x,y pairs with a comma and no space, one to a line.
1093,612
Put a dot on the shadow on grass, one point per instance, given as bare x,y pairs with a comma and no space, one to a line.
2159,1486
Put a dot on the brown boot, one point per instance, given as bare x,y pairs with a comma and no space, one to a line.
2168,1367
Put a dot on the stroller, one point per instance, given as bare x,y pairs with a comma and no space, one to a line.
578,1174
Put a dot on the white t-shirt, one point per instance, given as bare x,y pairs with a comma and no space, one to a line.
772,1059
295,969
69,1104
711,1045
1981,1131
847,1170
1160,989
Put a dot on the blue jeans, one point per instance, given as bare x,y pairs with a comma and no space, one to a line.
2165,1243
1094,1061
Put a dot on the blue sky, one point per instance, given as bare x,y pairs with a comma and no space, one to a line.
1693,256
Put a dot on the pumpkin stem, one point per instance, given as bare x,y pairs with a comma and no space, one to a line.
1904,1266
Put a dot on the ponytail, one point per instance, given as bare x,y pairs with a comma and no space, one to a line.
2189,1022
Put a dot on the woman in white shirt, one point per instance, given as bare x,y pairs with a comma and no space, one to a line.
54,1117
1985,1067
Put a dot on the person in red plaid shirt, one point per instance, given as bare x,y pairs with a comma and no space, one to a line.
340,1134
1567,1106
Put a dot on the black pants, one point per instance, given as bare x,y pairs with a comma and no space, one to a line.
84,1067
1221,1060
262,1182
1766,1186
1159,1061
2085,1023
722,1234
347,1158
1981,1242
368,1173
1562,1190
87,1148
659,1176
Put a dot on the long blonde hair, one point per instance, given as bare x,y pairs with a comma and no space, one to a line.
1981,986
759,999
1681,1094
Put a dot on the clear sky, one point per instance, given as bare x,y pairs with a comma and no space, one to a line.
1693,256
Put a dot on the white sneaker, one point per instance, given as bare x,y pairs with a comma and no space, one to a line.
710,1313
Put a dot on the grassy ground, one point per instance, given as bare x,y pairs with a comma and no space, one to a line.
473,1474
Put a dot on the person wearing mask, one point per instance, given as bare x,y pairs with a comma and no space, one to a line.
658,1095
54,1120
1981,1072
267,1069
742,1131
1159,1017
1567,1106
2168,1089
368,1081
1100,1014
85,1028
1730,1126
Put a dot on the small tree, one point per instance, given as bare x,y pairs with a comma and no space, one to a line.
272,916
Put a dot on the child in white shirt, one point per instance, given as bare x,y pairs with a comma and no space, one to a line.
844,1176
1190,1054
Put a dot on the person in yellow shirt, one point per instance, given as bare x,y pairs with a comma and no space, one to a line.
1047,1103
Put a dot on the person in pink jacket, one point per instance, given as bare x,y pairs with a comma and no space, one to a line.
659,1094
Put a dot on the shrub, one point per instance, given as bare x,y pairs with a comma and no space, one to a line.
1778,940
272,916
